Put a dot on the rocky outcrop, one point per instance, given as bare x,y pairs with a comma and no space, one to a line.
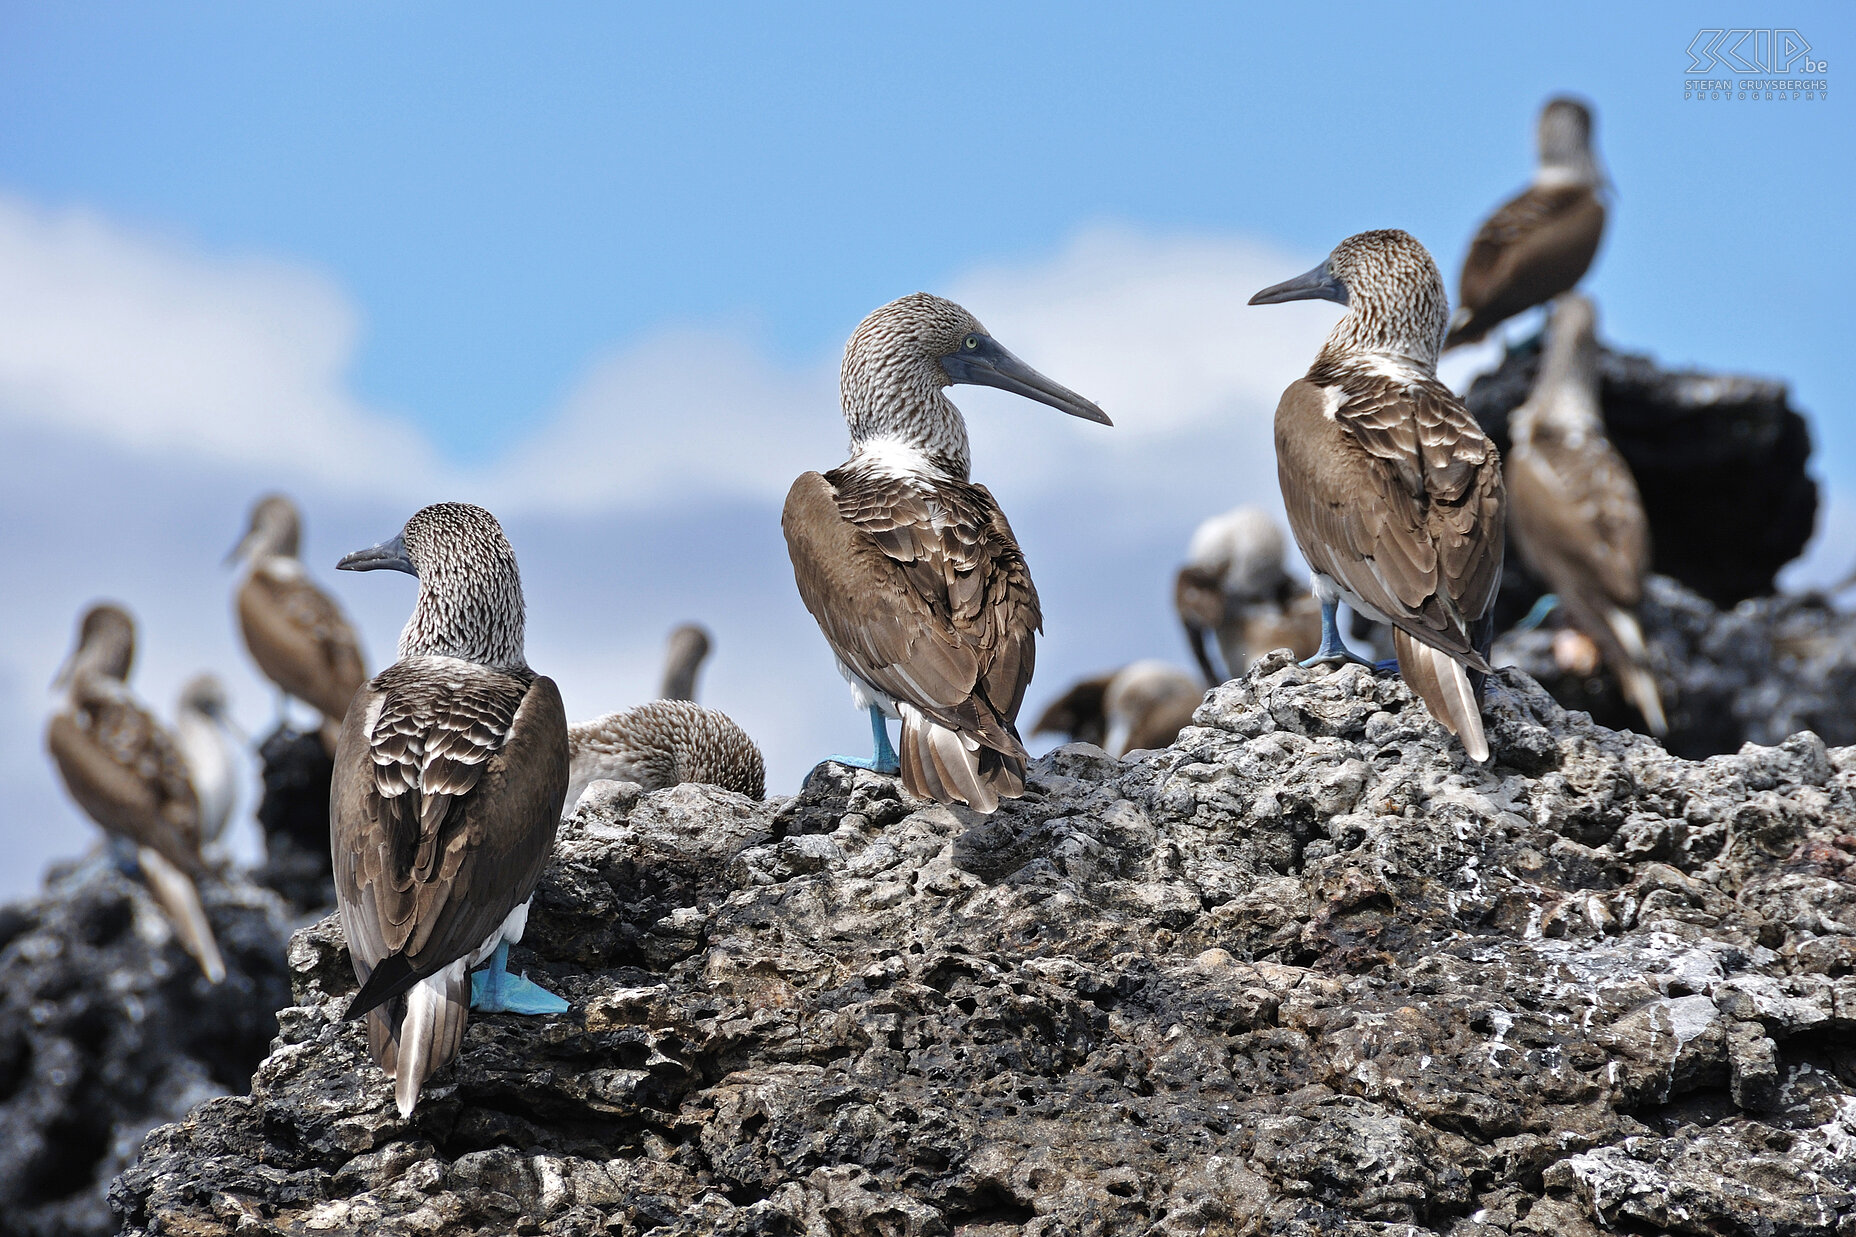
1309,971
293,812
1720,460
107,1028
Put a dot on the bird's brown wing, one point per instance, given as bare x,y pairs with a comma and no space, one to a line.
1398,496
1578,519
301,640
126,772
448,785
921,593
1538,245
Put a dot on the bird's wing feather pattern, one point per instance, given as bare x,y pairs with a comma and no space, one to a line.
1535,247
1579,519
1396,494
448,786
301,640
922,592
128,774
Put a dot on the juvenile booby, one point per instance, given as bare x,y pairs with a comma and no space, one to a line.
1234,587
202,731
126,772
449,779
1142,706
683,658
295,632
910,568
1393,491
1574,508
664,743
1541,242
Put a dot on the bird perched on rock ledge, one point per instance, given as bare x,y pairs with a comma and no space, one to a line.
664,743
1235,588
1393,491
910,568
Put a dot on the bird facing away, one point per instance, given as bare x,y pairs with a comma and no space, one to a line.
1235,588
295,632
202,731
448,784
1140,707
1574,509
683,658
664,743
1540,243
1393,491
910,568
126,772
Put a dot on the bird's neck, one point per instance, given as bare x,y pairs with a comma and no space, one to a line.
1403,361
480,620
1558,171
1400,340
901,415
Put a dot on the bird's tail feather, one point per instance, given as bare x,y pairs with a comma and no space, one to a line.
176,893
431,1032
949,767
1633,673
1444,686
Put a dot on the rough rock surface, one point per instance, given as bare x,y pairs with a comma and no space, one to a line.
107,1028
1309,971
1767,668
294,814
1720,460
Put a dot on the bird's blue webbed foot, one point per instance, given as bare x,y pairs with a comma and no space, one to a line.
883,757
1388,666
494,990
1538,614
1333,650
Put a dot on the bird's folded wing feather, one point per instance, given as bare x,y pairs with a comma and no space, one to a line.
1398,496
317,655
1577,508
1530,233
126,771
923,594
448,782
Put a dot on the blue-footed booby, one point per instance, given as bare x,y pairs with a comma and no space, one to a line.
910,568
125,771
449,779
1235,588
1140,707
203,732
683,657
1574,508
295,632
1393,491
1541,242
664,743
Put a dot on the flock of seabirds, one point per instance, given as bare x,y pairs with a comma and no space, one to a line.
454,765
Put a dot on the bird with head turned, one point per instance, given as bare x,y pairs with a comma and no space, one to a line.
296,633
1394,494
664,743
449,779
1542,241
128,774
1235,589
1142,706
911,569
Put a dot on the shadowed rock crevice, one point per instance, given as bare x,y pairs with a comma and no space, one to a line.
1308,971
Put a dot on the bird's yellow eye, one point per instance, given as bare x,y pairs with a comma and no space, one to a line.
973,343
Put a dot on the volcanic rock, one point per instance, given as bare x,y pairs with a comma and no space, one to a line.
294,814
1308,971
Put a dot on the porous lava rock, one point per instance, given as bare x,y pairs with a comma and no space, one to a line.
107,1028
293,812
1307,971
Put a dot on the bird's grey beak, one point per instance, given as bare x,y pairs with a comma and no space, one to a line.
63,677
237,552
988,364
1316,285
387,556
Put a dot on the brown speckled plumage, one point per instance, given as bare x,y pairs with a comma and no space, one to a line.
664,743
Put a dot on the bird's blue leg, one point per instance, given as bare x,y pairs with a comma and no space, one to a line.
883,756
1535,617
122,856
1333,650
493,990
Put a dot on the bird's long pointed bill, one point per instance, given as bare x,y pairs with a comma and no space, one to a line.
1003,370
387,556
237,552
1316,285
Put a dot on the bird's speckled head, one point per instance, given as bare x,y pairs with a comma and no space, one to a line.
105,645
470,593
1396,305
1565,138
901,357
204,693
275,530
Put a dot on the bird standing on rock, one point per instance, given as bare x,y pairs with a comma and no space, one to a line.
203,732
1578,520
449,779
911,569
1234,587
126,772
295,632
664,743
1541,242
1393,491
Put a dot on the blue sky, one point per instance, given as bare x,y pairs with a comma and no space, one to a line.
564,261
